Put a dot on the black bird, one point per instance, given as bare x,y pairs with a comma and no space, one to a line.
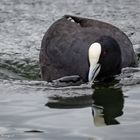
85,47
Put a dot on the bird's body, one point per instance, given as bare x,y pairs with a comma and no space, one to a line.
64,48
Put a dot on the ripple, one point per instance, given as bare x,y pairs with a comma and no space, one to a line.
74,114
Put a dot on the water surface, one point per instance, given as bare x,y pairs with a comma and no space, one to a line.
33,109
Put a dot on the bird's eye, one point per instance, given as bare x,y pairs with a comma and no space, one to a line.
104,52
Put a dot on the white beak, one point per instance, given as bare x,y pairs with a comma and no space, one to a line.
93,72
94,54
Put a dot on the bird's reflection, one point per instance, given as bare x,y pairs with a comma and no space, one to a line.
108,105
106,102
70,102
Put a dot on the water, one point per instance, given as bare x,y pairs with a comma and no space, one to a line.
33,109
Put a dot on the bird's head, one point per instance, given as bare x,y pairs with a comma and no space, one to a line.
104,57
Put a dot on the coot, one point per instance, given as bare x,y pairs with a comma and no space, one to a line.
85,47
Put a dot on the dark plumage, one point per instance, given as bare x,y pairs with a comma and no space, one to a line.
111,58
64,48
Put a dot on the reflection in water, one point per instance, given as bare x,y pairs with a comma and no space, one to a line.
108,104
106,101
70,102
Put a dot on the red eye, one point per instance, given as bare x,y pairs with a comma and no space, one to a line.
104,53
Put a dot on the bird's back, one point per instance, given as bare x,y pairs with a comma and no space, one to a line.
64,48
